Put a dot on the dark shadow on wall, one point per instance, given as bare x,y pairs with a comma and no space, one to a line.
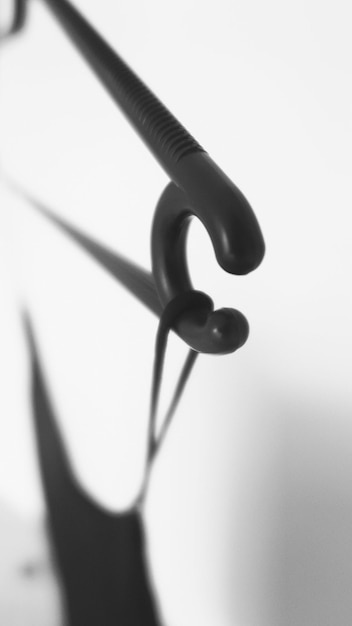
101,556
316,539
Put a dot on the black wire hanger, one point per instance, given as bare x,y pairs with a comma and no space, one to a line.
198,188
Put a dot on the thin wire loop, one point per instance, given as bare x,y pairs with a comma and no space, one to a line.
191,300
188,301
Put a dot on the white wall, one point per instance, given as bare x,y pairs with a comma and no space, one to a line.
250,504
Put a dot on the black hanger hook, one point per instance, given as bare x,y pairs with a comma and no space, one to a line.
199,188
207,193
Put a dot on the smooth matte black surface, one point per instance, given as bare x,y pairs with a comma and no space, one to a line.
199,188
204,329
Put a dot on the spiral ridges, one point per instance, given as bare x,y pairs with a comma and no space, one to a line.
154,119
169,140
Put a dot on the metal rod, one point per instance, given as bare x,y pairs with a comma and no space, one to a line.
165,136
199,188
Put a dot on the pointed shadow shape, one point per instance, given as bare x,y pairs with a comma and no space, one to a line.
138,281
101,556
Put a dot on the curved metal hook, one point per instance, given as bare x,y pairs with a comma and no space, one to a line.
18,19
199,188
237,240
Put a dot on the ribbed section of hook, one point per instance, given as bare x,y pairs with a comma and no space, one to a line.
160,130
238,244
199,188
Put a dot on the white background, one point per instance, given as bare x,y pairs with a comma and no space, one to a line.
250,505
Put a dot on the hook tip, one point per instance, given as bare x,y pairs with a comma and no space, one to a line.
229,330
